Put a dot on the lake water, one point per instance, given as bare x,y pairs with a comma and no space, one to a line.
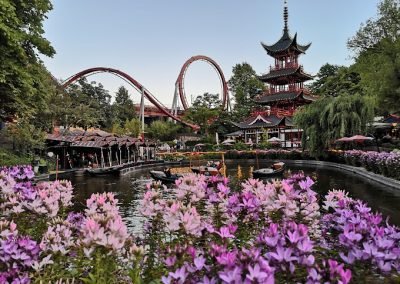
129,189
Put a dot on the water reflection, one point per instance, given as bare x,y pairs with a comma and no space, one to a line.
129,189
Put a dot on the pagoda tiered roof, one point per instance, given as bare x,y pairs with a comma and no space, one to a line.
281,76
284,96
261,121
284,44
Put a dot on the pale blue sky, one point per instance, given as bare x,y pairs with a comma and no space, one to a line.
151,39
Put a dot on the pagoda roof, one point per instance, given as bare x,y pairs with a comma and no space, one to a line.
289,121
260,121
278,73
269,98
285,43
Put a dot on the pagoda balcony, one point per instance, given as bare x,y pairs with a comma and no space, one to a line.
286,89
290,65
279,112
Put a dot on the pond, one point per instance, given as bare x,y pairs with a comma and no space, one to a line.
129,189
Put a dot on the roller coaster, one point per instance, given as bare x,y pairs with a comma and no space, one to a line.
179,87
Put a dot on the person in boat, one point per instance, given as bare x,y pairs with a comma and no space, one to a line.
167,172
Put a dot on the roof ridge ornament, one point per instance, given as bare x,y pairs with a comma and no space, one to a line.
286,16
260,118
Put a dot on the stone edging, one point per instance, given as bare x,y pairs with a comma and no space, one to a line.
360,171
150,165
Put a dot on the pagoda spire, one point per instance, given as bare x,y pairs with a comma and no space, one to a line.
285,16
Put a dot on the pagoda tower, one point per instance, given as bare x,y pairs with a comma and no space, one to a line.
285,92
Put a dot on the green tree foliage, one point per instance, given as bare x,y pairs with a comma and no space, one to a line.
25,84
132,127
377,49
385,26
117,129
343,81
245,85
163,130
88,105
331,118
204,111
325,72
22,88
123,107
380,74
223,124
26,137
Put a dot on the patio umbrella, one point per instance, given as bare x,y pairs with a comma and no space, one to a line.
199,145
360,138
344,139
228,141
274,139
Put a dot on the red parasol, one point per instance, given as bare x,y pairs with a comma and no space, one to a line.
344,139
360,138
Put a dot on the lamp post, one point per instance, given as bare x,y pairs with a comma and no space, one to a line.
394,128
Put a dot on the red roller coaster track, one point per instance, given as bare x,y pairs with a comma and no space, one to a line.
148,95
181,77
139,86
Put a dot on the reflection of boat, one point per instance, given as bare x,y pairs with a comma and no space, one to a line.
275,170
104,171
208,171
80,172
161,176
141,181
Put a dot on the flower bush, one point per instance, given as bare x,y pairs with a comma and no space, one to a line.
384,163
203,230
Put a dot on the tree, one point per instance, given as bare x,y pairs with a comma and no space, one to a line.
22,87
377,52
344,109
123,107
245,85
133,127
326,71
89,105
163,130
26,137
344,81
203,111
380,74
331,118
385,26
100,99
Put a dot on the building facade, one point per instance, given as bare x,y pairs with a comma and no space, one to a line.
284,94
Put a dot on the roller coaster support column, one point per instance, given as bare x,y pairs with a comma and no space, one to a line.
228,105
142,112
175,102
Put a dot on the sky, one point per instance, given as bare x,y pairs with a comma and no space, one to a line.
151,39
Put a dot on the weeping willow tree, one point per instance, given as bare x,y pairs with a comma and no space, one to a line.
331,118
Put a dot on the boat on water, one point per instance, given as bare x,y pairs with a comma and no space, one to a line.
275,170
104,170
163,177
211,169
204,170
